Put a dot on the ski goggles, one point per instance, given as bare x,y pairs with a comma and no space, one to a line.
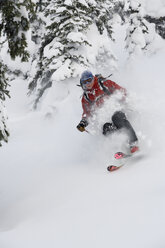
87,81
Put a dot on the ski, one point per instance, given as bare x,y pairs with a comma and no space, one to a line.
120,156
111,168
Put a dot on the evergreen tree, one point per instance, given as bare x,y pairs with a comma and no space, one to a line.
102,14
3,93
38,23
119,9
138,36
38,30
159,24
15,23
62,49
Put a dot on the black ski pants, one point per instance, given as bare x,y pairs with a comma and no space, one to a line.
119,121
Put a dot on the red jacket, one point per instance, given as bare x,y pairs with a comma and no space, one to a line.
96,95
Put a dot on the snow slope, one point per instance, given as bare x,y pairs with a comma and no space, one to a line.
55,191
54,187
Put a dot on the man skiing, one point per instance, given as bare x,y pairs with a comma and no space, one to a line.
96,90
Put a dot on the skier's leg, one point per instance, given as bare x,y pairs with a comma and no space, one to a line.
120,121
108,128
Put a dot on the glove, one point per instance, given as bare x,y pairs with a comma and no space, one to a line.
81,126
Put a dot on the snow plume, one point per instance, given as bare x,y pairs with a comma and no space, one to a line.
104,113
100,54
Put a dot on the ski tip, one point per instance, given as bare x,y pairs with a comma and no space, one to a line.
111,168
119,155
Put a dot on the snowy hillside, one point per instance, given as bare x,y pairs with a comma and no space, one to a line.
55,190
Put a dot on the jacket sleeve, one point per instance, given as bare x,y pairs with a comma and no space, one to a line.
86,108
112,86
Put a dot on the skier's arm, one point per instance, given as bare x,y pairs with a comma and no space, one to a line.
112,87
86,113
86,106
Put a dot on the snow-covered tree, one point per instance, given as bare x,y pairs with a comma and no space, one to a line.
102,13
137,29
64,49
4,133
159,24
140,34
14,24
38,23
119,9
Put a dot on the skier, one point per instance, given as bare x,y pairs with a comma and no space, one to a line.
96,90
